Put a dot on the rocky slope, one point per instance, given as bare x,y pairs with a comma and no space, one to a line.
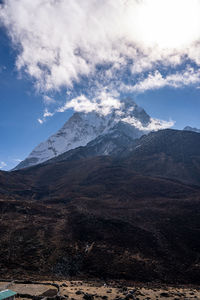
98,218
166,153
131,217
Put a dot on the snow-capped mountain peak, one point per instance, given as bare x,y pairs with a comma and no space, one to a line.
82,128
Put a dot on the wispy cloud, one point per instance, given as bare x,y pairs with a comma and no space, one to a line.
47,114
2,165
48,100
156,80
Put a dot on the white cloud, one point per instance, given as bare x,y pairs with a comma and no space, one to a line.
156,80
103,104
40,121
157,124
2,165
69,39
47,113
154,125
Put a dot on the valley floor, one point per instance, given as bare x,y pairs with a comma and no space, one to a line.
77,290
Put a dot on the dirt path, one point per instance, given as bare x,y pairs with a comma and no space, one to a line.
77,290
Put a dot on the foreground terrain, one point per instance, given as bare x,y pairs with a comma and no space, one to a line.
78,290
133,217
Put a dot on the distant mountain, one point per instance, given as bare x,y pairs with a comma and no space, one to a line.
188,128
82,128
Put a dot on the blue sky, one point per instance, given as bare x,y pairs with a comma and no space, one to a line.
35,81
20,107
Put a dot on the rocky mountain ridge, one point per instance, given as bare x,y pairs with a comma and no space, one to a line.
166,153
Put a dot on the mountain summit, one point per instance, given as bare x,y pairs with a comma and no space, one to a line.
129,120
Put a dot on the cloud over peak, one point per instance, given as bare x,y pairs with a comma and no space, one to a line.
103,104
106,105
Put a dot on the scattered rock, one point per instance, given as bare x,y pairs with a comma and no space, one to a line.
164,294
88,296
129,296
64,284
79,292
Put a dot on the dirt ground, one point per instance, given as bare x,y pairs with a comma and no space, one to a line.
3,285
77,290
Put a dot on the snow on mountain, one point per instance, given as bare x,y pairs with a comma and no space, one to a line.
82,128
188,128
